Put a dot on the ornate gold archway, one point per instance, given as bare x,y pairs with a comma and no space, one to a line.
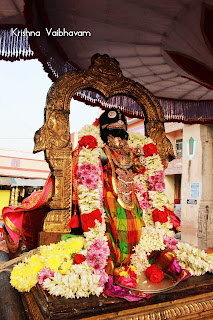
104,76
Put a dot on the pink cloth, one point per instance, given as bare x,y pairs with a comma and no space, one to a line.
35,201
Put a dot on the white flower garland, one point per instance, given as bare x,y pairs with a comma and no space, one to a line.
79,282
151,239
88,199
91,199
195,260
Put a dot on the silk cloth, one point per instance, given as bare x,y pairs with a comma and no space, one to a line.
33,209
123,227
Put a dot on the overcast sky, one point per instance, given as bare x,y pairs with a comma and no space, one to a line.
24,86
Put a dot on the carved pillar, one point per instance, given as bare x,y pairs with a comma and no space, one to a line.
54,138
205,211
57,219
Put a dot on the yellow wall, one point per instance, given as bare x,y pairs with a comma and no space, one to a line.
4,199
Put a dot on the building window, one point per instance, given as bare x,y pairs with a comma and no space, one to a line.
179,147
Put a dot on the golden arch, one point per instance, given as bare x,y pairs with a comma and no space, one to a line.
104,76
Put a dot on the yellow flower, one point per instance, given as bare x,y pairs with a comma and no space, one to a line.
133,268
23,278
57,257
123,273
36,263
65,266
53,263
76,244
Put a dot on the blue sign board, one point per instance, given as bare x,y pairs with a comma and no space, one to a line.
195,190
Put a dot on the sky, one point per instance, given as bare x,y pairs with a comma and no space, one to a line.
24,86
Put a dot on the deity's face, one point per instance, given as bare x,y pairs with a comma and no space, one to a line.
113,123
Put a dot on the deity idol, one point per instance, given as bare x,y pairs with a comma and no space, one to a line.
120,163
120,167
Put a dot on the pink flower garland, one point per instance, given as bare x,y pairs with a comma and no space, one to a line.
170,243
97,256
144,200
87,174
44,274
156,182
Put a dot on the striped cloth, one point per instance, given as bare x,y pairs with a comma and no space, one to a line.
123,227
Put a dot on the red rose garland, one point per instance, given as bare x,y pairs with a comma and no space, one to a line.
88,141
161,216
88,219
150,149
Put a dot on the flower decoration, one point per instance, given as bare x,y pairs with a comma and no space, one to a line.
151,239
158,200
62,269
175,267
156,182
23,278
90,185
150,149
78,258
88,220
94,131
76,268
195,260
88,141
97,258
159,215
144,200
149,186
79,282
154,273
126,276
170,243
87,174
44,274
